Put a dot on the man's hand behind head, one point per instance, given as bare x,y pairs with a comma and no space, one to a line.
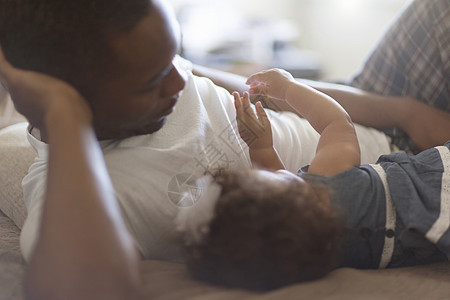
35,94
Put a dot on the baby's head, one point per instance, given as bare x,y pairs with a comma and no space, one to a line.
260,230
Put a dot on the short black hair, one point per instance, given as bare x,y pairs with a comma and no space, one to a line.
68,39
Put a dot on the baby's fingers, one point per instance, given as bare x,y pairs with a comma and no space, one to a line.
258,83
237,101
248,112
257,78
262,116
242,105
246,101
238,106
260,89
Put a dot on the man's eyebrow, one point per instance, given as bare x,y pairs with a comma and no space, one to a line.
165,71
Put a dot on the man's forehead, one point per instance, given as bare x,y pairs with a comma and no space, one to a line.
150,46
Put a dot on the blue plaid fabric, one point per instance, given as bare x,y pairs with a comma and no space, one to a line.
412,59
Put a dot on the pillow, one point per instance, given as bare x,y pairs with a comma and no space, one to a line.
16,156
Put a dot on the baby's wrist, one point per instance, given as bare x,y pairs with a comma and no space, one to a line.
262,150
266,158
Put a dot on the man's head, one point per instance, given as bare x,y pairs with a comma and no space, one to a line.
266,230
118,54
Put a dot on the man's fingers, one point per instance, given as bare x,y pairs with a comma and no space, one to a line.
2,57
5,69
2,67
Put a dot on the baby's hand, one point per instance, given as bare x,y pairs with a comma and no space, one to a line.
273,83
255,130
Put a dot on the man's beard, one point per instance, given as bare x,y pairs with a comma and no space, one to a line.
123,133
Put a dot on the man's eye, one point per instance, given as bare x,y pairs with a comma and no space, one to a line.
149,88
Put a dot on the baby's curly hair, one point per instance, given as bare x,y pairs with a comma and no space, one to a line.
264,236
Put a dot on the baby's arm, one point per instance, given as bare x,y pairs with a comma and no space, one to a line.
255,130
338,148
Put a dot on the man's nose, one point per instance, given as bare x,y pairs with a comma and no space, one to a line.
174,82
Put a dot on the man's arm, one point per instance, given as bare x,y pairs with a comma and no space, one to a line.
364,108
424,124
427,126
231,82
83,250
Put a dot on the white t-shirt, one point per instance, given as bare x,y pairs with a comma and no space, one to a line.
154,175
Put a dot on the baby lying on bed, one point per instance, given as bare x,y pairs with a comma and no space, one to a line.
267,227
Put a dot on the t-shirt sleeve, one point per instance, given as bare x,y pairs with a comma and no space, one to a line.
34,187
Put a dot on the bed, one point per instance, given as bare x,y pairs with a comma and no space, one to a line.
166,280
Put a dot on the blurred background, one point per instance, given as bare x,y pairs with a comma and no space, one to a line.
317,39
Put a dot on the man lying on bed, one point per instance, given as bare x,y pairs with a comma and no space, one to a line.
120,58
